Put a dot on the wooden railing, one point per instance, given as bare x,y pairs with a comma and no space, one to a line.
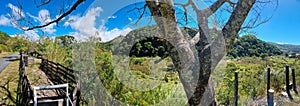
59,74
24,91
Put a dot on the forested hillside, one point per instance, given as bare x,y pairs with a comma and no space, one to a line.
3,39
244,46
251,46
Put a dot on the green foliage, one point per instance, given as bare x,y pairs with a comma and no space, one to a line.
252,78
150,47
3,38
54,51
226,91
4,48
251,46
18,43
65,40
139,67
142,42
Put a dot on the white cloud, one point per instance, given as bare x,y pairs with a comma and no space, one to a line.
49,29
31,35
109,35
43,18
16,11
85,26
4,21
281,43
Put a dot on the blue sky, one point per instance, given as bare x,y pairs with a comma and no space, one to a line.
111,18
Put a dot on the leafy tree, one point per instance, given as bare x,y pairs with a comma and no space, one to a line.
54,51
18,43
65,40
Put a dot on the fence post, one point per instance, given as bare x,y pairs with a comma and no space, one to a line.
268,79
236,96
271,97
294,81
26,59
287,81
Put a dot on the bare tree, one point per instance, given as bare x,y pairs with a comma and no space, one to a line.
196,77
194,67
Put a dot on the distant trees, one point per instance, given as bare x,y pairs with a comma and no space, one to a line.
3,38
149,47
57,49
13,44
249,45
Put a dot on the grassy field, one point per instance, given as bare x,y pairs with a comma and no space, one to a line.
252,81
9,83
167,89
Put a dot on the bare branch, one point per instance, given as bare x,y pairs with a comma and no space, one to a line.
141,13
74,6
44,2
236,20
214,7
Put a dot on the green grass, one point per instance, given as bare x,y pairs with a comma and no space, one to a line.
148,83
252,78
9,80
9,83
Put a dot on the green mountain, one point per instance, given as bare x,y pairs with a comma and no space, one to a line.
138,43
142,42
251,46
3,37
288,48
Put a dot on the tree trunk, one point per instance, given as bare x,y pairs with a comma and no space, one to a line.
195,67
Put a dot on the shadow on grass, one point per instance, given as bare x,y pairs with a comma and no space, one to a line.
12,60
8,99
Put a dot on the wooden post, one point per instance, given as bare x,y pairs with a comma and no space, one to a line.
236,96
294,81
268,79
271,97
287,80
26,60
43,63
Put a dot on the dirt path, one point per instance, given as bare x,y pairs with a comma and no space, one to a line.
37,77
